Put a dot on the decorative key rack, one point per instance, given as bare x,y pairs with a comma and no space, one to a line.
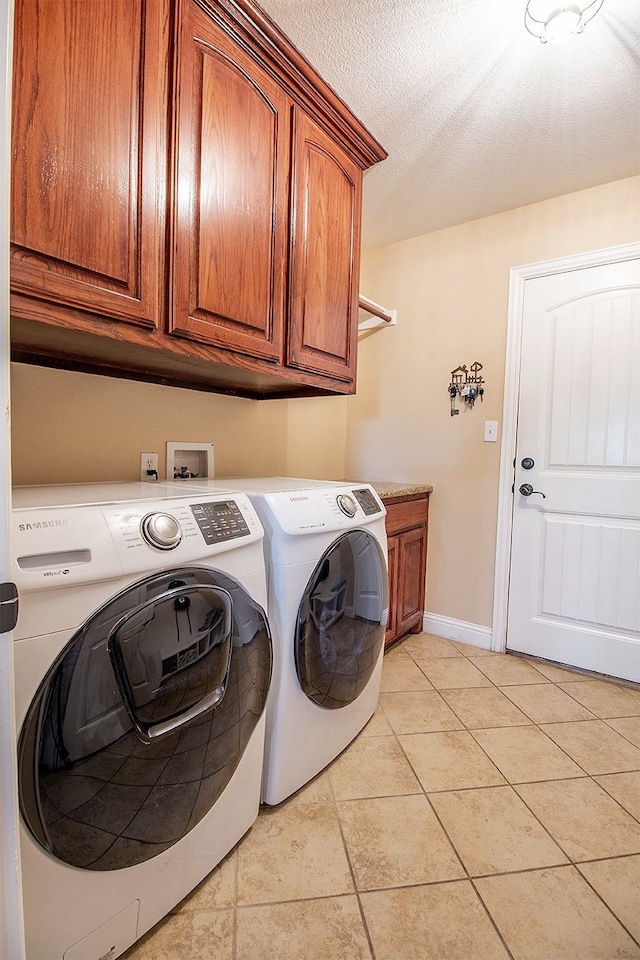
468,384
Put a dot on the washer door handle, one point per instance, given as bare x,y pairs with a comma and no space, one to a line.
212,700
154,655
8,606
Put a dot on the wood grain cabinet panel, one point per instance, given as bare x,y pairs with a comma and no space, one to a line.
186,199
391,631
411,573
232,162
325,253
407,530
89,156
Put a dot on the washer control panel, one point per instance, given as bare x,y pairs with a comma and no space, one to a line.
220,520
57,544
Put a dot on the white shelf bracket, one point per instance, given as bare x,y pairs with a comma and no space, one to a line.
373,316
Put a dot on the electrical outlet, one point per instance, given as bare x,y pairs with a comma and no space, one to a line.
148,466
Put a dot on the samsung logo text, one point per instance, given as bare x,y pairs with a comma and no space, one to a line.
41,524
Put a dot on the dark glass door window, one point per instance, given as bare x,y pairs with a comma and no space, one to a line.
341,621
140,723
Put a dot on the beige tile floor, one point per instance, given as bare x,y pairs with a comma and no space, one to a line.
490,809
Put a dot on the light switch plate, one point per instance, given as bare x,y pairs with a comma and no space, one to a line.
491,431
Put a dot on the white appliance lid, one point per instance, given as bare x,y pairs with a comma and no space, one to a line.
85,494
265,484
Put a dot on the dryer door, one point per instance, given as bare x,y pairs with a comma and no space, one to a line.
341,621
140,723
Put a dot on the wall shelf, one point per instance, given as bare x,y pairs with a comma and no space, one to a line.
373,316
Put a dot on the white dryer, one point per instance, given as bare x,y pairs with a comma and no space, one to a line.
143,658
326,555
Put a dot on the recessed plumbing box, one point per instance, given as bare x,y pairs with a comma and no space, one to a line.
187,461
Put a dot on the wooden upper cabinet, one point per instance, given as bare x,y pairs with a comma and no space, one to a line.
325,253
232,146
89,147
186,199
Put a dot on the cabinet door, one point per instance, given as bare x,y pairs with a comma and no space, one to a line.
392,564
89,157
231,183
325,253
411,578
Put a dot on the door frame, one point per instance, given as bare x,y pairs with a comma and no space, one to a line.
11,919
518,277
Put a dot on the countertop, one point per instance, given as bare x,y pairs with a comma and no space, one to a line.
386,490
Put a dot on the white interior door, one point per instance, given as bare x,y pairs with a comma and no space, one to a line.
574,594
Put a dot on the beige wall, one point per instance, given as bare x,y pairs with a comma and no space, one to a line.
72,427
316,437
450,289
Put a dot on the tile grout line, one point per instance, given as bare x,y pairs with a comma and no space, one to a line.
575,865
572,863
446,833
351,867
636,940
467,877
534,723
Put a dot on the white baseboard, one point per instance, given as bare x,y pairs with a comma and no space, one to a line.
450,629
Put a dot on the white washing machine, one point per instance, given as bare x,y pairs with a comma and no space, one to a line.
143,659
326,555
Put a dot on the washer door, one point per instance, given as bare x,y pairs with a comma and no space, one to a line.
341,621
140,723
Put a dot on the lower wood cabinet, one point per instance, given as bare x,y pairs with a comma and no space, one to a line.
407,526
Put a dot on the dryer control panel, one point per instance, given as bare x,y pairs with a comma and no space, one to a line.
299,512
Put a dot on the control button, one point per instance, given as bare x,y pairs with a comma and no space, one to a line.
161,530
347,504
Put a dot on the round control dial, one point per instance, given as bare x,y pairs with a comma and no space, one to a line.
161,530
347,504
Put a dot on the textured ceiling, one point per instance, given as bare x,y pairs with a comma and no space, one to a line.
477,115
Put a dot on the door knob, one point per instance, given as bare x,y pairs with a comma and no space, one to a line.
526,490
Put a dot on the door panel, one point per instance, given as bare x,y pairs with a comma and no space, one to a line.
591,572
325,254
232,158
392,567
89,155
411,559
594,410
11,916
575,568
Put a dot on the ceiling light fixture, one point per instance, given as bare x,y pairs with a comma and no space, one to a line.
553,22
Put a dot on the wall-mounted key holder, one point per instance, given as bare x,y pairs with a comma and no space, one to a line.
468,384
